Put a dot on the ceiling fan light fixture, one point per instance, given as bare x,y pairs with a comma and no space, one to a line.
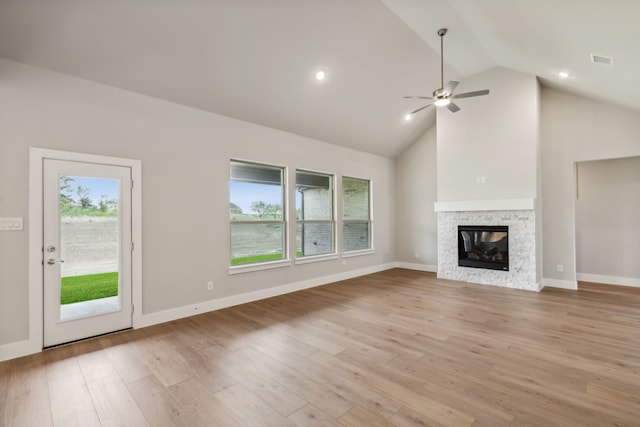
320,75
563,75
442,97
408,117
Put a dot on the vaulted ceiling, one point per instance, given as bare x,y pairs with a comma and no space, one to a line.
255,60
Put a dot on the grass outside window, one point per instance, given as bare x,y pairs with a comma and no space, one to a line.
88,287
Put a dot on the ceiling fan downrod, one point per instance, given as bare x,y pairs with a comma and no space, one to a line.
441,33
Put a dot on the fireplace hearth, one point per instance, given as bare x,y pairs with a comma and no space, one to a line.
483,246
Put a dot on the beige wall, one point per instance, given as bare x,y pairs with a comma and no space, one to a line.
416,186
185,158
493,136
608,219
575,129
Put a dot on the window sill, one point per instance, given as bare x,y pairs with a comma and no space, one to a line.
316,258
248,268
358,253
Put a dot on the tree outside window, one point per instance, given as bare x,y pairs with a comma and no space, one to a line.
256,211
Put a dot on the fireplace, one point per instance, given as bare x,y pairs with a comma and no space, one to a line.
483,246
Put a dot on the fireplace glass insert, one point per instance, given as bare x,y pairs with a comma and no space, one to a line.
483,246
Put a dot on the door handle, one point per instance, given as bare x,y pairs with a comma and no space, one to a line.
52,261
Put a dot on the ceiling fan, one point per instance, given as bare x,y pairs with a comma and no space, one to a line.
443,97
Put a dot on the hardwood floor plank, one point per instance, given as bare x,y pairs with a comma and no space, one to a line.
428,407
279,370
60,362
251,410
28,402
250,371
310,416
114,404
359,416
4,391
158,405
125,357
205,407
348,390
406,374
208,367
96,365
164,360
71,403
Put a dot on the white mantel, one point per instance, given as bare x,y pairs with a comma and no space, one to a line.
485,205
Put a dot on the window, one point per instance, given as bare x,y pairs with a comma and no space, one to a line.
256,211
314,214
356,214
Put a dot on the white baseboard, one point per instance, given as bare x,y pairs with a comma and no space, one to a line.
18,349
608,280
217,304
418,267
562,284
25,348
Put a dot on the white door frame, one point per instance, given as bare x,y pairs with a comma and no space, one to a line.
36,217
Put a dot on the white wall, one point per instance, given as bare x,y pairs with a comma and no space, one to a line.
185,160
416,187
575,129
607,219
493,136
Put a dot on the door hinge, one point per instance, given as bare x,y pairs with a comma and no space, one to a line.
132,247
132,184
132,308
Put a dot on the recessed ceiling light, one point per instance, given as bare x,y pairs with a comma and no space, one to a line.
408,117
320,75
563,75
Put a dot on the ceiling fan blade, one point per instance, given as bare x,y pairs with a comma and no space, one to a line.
470,94
421,108
418,97
450,87
453,107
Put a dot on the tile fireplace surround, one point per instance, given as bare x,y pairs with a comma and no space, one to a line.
518,214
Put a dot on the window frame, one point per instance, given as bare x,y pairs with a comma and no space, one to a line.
333,254
370,249
283,222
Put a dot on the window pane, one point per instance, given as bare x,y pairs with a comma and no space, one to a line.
314,196
256,192
355,236
355,198
256,195
252,243
314,238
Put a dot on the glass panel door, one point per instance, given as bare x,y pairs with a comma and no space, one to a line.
87,250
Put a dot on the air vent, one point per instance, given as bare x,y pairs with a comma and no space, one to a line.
602,60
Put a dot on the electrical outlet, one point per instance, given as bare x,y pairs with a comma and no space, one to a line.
344,262
559,268
209,286
416,255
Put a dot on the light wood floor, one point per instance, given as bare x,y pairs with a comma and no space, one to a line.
394,348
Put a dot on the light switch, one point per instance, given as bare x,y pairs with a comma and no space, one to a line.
11,224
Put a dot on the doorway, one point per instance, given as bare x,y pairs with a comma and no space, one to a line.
607,230
87,229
